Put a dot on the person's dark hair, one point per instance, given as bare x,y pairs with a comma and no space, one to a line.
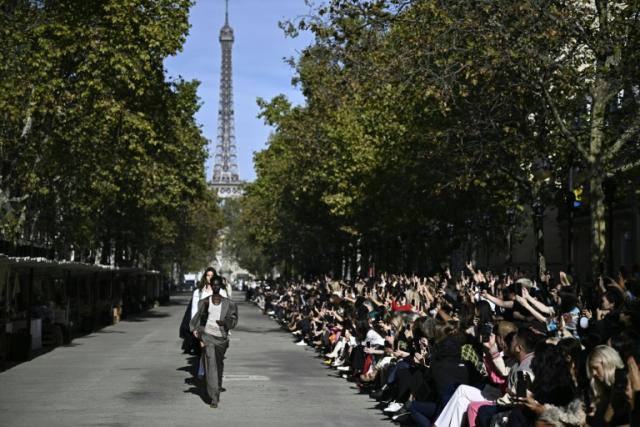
362,328
203,280
615,297
623,343
571,348
527,339
217,282
553,383
567,302
485,314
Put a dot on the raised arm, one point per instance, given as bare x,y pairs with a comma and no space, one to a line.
497,301
531,310
537,304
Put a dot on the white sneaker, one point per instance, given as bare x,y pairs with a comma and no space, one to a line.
343,368
337,362
393,407
301,342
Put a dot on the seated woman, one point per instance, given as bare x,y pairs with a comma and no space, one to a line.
602,364
554,398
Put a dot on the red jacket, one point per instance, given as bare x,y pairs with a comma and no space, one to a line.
397,307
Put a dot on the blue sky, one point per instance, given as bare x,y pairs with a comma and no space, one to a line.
258,67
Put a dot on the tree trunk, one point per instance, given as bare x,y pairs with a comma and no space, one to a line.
596,144
598,226
105,255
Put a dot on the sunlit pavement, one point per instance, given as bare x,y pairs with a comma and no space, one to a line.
134,373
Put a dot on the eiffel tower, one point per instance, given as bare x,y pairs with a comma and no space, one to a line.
226,180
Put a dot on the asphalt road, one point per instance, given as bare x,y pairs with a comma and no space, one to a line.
134,374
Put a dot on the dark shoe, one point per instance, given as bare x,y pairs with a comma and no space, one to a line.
213,405
401,414
379,394
222,389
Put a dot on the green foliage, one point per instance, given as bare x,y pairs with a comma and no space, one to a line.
104,151
425,123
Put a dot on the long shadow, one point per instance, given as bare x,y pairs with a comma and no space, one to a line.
241,328
200,392
197,386
174,302
145,316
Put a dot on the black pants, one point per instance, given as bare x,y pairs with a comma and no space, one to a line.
357,359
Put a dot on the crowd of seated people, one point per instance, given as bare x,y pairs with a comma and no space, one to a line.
476,349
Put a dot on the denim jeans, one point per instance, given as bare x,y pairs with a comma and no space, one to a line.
402,364
423,412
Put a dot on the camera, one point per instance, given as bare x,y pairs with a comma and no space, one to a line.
485,332
620,382
521,384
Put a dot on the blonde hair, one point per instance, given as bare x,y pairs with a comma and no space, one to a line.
610,360
505,328
397,323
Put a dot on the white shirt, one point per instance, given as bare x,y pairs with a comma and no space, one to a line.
374,338
215,311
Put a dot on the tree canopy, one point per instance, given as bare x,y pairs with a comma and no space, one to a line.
428,125
100,155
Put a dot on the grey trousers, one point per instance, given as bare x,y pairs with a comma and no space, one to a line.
215,348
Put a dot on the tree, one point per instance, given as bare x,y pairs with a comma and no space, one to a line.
104,152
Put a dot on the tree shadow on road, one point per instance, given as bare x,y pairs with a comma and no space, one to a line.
144,317
260,330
